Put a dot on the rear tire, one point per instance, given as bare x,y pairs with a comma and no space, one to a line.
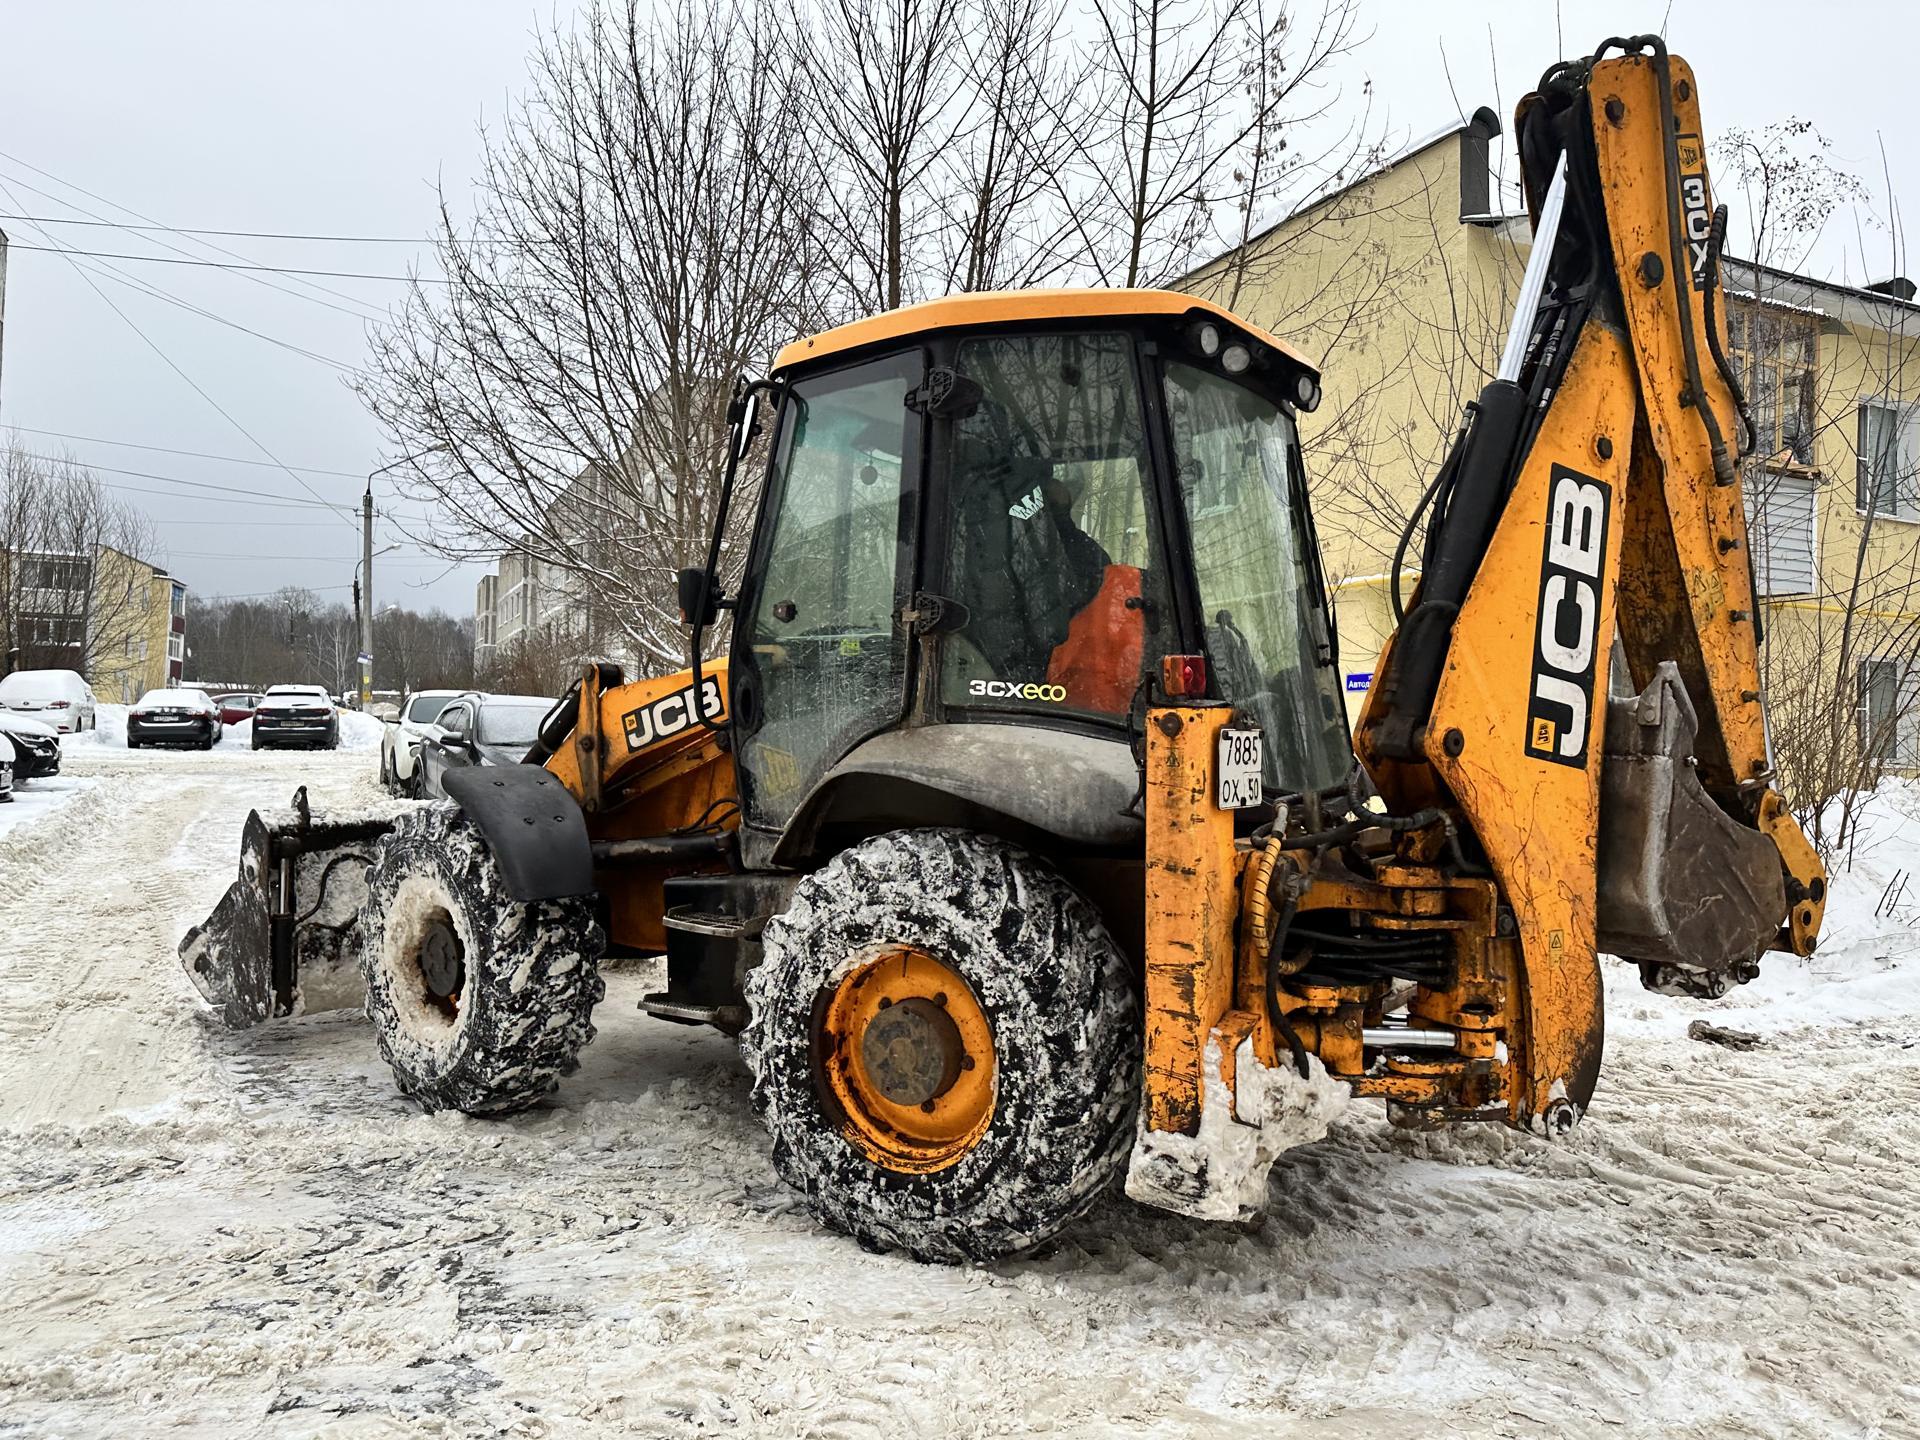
1059,1000
480,1003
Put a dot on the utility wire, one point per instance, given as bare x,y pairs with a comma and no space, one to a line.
233,265
236,234
120,277
191,454
175,495
107,300
177,480
363,311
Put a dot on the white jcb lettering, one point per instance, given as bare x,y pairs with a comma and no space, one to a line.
1567,622
1555,597
1555,691
1575,536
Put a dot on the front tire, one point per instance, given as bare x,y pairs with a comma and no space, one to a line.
877,1121
480,1003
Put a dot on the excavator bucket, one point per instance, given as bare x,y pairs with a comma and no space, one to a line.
285,936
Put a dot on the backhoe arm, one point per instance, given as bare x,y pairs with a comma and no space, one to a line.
1597,493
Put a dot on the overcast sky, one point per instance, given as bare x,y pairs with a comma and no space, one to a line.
338,119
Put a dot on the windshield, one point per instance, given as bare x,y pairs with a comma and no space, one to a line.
426,709
1237,461
1051,550
516,723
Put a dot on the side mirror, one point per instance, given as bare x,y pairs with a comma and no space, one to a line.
746,425
691,582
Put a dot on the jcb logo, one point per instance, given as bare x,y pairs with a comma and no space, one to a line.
670,714
1696,213
1567,637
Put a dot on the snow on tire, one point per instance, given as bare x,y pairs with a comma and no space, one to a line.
480,1003
1057,995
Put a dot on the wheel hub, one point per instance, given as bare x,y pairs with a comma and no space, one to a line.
904,1053
912,1051
442,961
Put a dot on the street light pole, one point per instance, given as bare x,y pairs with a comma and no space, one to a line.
366,561
366,597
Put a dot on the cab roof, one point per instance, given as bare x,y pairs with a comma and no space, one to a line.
1006,307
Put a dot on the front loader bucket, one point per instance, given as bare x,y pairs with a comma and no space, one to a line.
285,936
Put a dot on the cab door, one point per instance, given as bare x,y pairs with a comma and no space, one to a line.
820,657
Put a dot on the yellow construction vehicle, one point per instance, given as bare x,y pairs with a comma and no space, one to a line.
1019,833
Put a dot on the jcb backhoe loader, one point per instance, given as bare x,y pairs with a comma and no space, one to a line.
1019,835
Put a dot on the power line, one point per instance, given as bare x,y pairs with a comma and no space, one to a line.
108,272
234,234
172,495
168,360
362,312
191,454
232,265
177,480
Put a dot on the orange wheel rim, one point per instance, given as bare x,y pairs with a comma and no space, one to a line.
905,1054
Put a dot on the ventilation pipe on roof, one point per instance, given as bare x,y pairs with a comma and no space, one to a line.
1476,168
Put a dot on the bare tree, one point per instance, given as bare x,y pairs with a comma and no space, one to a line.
76,572
632,253
1189,107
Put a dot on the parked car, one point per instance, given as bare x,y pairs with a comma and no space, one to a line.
62,698
480,730
174,717
6,771
237,707
36,746
400,741
296,715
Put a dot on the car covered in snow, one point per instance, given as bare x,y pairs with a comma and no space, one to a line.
36,746
174,717
296,715
416,722
6,771
480,730
62,698
237,706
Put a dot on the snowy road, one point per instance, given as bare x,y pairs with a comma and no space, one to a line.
206,1234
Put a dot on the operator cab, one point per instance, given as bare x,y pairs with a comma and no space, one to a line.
987,522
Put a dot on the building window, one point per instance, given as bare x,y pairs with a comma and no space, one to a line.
1885,471
1775,353
1889,717
1780,520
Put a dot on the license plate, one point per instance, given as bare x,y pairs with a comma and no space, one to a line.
1240,769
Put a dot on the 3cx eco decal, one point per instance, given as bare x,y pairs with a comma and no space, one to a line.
1012,690
1565,651
671,714
1695,213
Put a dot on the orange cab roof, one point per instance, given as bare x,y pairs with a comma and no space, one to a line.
1001,307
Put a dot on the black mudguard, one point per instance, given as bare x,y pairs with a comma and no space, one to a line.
532,824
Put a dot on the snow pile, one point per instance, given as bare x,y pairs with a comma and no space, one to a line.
1221,1173
360,731
34,800
109,727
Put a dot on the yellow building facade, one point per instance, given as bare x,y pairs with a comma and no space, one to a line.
1402,286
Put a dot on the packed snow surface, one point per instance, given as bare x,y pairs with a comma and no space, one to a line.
253,1234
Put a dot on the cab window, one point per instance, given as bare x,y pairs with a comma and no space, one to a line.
1051,543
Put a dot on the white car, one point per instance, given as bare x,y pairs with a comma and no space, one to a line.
62,698
6,771
400,741
296,715
174,717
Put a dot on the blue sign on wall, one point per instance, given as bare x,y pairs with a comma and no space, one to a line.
1359,679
